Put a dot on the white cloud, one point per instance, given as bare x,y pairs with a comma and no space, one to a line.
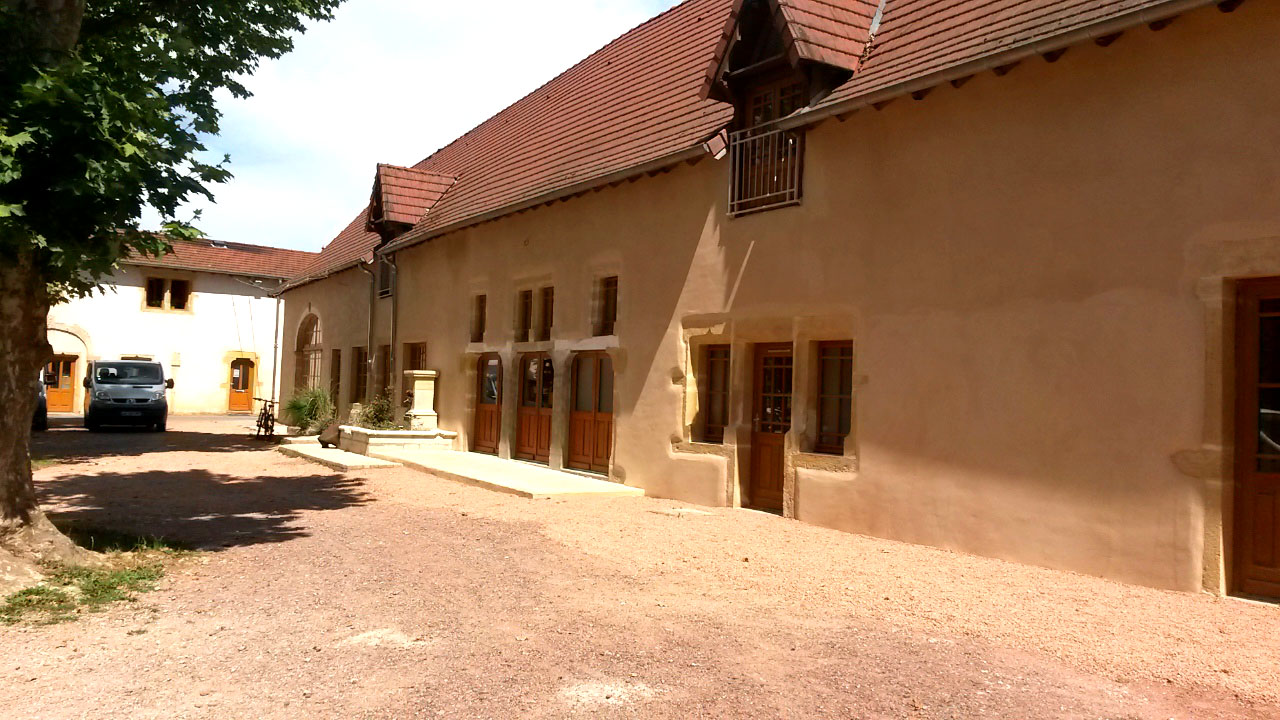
385,81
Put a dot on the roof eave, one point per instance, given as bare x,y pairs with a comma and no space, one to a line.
413,237
193,268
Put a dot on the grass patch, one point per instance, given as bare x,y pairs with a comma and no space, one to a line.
135,564
67,592
42,463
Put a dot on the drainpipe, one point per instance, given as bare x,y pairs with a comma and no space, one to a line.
373,299
395,321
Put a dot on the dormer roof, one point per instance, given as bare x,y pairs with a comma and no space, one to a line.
402,196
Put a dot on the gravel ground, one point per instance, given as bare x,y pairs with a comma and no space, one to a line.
395,594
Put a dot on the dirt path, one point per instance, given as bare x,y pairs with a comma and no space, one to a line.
394,594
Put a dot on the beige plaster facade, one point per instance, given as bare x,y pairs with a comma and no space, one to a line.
1035,270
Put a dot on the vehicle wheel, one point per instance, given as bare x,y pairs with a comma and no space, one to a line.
160,426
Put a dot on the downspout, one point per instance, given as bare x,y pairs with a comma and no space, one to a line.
368,357
395,322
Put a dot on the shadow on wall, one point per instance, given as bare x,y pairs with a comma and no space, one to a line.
197,508
76,445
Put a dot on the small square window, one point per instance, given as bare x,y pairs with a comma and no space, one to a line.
155,292
179,294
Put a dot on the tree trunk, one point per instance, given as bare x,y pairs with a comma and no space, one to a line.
27,538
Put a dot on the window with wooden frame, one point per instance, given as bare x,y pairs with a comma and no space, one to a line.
155,292
607,318
524,315
359,374
308,354
383,364
167,294
835,396
546,313
335,375
767,162
713,394
479,308
415,356
386,278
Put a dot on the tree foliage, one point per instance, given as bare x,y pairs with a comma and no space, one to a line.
95,126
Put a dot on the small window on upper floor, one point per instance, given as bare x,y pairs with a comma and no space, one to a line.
546,314
179,294
168,294
155,292
607,310
386,278
524,315
478,310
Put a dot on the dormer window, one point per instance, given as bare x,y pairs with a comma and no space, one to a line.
772,62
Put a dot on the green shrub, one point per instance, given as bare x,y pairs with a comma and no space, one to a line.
378,414
311,410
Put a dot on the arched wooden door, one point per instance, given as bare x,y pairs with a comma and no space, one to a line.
240,394
59,379
533,424
488,427
591,418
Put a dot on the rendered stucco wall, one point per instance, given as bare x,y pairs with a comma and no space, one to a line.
1035,271
226,319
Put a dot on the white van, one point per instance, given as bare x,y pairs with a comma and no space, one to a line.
126,392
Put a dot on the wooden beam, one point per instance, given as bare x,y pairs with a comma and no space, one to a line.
921,94
1002,70
1106,40
881,105
1229,5
961,81
846,115
1162,24
1053,55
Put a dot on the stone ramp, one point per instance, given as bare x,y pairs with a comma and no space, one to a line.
334,458
508,476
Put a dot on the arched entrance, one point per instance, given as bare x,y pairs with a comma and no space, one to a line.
240,392
308,355
591,414
533,425
488,428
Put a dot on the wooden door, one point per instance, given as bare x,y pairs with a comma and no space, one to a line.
771,419
240,396
533,422
488,404
59,377
591,417
1257,461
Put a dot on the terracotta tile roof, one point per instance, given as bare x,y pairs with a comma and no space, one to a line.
831,32
920,37
230,258
403,195
639,100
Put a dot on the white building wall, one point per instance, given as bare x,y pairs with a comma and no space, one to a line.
228,317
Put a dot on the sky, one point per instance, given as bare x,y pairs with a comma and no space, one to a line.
384,81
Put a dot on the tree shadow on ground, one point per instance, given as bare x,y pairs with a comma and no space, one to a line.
74,445
197,508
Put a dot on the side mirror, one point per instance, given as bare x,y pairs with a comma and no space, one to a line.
169,383
87,385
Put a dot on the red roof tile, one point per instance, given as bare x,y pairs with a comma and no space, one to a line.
403,195
230,258
640,98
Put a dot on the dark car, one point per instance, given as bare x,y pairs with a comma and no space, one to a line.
40,419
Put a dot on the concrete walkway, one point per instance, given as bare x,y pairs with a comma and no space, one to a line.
508,476
335,458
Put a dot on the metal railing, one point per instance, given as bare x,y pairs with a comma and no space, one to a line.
767,168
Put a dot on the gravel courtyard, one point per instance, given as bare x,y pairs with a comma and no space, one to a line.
392,594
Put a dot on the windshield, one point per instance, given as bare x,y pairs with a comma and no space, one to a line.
125,373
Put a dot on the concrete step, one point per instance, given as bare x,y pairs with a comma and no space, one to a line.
335,458
508,476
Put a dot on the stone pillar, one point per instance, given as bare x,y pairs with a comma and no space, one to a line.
422,404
